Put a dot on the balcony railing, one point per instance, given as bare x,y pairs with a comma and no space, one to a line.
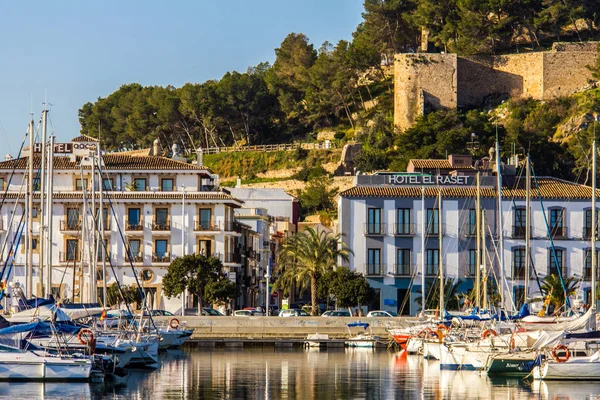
134,225
433,229
232,226
559,232
136,257
404,229
587,232
234,258
70,225
161,257
68,256
518,232
375,229
207,226
403,269
99,258
470,230
431,270
518,272
374,269
161,225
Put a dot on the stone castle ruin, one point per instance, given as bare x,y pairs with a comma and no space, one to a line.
426,81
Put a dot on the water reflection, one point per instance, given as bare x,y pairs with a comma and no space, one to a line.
257,373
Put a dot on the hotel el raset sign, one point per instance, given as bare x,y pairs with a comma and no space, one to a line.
426,180
67,148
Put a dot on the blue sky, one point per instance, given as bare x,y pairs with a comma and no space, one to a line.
76,51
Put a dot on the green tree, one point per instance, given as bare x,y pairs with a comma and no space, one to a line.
452,296
311,254
192,272
348,288
221,291
130,294
552,286
317,195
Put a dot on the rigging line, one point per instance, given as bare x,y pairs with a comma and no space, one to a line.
12,218
558,266
496,251
5,136
12,174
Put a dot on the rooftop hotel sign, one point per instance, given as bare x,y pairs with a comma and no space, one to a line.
424,180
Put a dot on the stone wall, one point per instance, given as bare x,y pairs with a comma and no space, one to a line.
423,81
436,81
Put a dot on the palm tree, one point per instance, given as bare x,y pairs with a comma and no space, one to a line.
308,255
553,288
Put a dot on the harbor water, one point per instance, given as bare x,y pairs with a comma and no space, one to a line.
269,373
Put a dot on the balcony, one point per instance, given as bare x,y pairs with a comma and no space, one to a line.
470,230
134,225
232,258
433,230
587,233
68,225
404,229
206,226
518,232
107,258
161,225
68,257
559,232
161,258
431,270
136,257
374,269
232,227
519,272
403,269
375,229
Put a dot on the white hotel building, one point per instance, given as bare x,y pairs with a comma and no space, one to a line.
381,220
161,207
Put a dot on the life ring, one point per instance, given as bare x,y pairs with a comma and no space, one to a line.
174,323
488,332
442,331
558,358
85,336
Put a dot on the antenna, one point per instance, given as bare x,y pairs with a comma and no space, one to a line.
473,144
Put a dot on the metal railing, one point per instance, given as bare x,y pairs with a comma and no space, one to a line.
164,257
375,229
134,225
403,269
374,269
404,229
161,225
232,258
267,148
434,229
559,232
69,225
206,226
136,257
68,256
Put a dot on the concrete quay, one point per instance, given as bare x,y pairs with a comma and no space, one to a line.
277,329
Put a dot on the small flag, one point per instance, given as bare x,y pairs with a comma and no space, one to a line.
103,315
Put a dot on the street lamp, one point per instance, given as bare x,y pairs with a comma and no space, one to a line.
268,293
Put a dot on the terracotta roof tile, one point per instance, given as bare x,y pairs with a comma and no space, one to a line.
112,161
436,164
549,188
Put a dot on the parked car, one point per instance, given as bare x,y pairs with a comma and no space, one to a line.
256,311
211,312
336,313
293,312
381,313
158,313
243,313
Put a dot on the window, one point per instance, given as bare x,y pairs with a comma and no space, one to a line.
555,264
161,218
72,250
105,217
519,225
133,216
204,247
374,221
146,275
166,184
107,184
557,222
519,263
472,262
78,185
374,262
433,221
205,219
139,184
433,260
403,262
587,269
73,218
135,249
1,183
34,243
160,250
472,227
403,221
587,226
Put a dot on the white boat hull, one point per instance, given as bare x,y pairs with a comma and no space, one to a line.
30,366
575,369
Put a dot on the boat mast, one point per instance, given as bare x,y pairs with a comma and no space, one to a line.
483,260
102,226
440,262
43,226
423,227
527,228
29,243
478,241
500,222
594,230
94,233
49,203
